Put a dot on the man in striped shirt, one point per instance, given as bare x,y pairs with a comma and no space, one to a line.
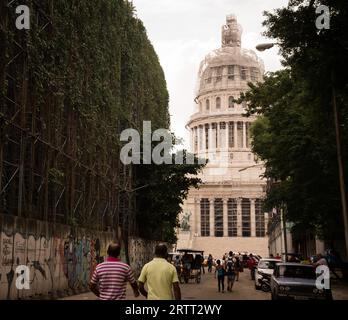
109,280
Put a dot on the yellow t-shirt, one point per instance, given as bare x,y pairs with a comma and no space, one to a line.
159,276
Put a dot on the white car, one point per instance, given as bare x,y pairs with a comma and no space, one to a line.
265,266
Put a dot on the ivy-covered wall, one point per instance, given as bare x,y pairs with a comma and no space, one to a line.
84,71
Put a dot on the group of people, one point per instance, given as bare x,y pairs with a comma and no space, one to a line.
229,266
109,280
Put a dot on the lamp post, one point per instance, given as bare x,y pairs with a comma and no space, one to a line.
265,46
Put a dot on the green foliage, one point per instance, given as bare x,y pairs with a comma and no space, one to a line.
159,204
295,135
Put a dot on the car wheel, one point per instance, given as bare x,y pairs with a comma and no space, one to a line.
265,287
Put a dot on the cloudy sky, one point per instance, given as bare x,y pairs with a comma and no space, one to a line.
184,31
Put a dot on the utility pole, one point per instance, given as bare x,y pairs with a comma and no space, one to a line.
283,224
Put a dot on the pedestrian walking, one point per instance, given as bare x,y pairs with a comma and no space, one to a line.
230,271
220,271
210,263
109,280
237,266
160,277
252,266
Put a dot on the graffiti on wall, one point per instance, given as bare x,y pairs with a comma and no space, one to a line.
56,262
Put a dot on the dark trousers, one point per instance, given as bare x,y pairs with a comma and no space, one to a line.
252,273
221,283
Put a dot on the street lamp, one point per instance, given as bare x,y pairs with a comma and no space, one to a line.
265,46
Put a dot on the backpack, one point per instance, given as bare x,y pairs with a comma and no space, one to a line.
230,266
220,271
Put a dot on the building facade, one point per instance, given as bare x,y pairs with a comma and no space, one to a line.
225,213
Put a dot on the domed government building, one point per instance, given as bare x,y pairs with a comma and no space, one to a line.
225,213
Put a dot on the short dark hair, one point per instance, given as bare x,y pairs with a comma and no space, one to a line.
230,253
161,250
114,250
218,261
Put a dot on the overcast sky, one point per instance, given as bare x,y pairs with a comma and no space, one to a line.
184,31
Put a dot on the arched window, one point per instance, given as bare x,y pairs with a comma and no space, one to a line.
205,220
218,103
218,216
207,104
246,223
230,102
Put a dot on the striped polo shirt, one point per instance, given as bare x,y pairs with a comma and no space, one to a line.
112,277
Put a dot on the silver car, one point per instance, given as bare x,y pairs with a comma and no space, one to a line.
264,267
296,281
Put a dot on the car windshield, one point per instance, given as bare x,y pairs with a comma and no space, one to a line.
267,264
297,272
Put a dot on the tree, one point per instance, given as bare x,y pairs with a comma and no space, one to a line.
295,136
159,202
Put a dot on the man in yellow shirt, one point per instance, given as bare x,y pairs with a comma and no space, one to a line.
160,277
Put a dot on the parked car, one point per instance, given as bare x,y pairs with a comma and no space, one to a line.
296,281
265,266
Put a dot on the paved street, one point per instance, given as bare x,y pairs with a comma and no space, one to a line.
207,289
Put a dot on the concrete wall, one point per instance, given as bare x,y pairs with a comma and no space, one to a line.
61,259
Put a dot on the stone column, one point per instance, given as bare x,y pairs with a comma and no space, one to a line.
226,135
252,218
199,139
203,139
239,217
235,134
244,135
225,217
218,142
211,217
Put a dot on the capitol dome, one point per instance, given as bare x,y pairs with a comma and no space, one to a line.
229,67
226,211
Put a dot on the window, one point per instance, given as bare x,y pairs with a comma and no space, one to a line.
207,136
195,135
231,134
207,104
247,134
230,72
222,137
230,102
239,134
246,224
243,72
232,217
214,133
259,219
218,103
218,215
205,218
218,74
